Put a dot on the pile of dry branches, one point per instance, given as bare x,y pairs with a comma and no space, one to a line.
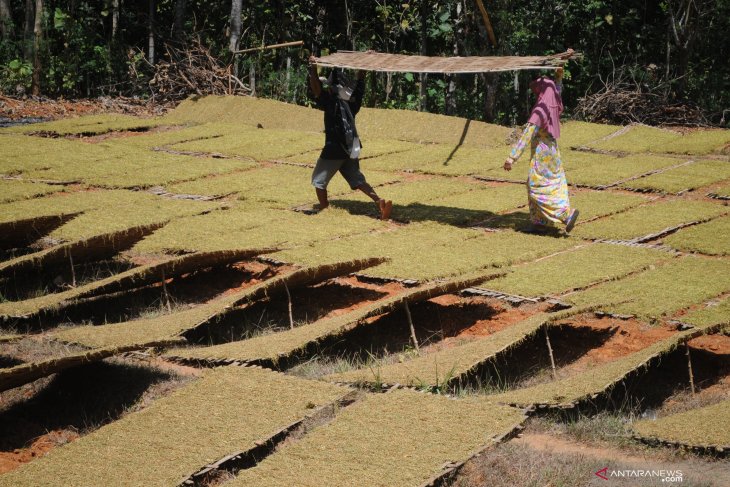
624,100
191,70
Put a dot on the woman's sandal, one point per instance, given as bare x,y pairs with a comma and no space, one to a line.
571,221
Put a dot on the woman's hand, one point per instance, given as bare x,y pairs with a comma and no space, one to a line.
508,164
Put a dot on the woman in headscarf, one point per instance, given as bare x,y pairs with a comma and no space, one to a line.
547,188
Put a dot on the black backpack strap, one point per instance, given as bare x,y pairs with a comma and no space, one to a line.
348,124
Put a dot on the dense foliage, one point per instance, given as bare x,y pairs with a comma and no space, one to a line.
86,48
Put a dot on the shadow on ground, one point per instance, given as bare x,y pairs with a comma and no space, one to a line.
79,399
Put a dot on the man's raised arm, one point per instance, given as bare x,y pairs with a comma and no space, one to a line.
314,81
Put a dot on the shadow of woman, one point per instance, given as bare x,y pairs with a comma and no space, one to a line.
518,221
419,212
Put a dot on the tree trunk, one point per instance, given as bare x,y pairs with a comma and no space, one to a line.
151,33
451,91
7,28
423,78
252,80
178,28
28,29
451,95
321,19
373,98
37,34
682,69
348,27
288,78
683,28
115,19
490,96
235,25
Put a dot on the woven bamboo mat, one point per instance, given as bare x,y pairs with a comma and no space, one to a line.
378,61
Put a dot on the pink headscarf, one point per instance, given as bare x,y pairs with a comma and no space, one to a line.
549,106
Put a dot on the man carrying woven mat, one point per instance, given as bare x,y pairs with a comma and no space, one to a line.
340,102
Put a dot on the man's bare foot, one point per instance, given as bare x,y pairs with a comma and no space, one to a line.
386,207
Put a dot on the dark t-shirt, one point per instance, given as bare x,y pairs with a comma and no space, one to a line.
334,143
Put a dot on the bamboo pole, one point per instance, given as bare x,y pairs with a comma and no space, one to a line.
487,23
73,271
291,315
689,368
164,292
272,46
550,351
410,324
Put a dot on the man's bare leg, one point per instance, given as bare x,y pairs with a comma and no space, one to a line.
384,206
322,197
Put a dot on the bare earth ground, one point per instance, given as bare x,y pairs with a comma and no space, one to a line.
554,449
50,412
45,108
544,458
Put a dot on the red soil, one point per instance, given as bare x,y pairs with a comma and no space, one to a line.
40,446
486,316
389,289
482,316
505,317
15,108
260,272
717,344
629,336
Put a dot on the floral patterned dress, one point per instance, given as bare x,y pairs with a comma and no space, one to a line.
547,188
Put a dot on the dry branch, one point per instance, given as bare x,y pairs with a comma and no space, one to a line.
192,70
272,46
624,100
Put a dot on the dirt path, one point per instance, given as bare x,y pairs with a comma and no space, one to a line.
695,470
45,108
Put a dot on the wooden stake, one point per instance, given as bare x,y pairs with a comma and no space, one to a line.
73,271
689,368
272,46
487,23
164,292
291,316
413,329
550,351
